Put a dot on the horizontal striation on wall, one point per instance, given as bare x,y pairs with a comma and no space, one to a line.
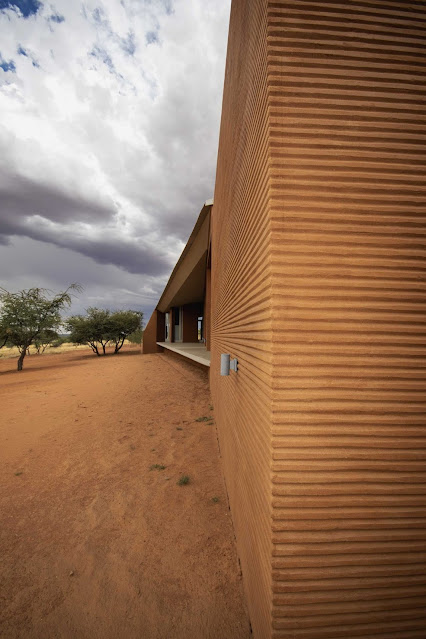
347,186
241,303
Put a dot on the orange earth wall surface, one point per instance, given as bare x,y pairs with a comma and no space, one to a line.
318,238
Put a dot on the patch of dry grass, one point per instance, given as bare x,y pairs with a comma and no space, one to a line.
6,352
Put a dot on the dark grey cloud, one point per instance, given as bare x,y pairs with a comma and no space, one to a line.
21,197
177,217
26,263
131,256
27,208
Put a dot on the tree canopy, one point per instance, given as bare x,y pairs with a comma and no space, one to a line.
100,327
29,316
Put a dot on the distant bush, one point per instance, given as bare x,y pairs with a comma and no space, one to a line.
103,327
136,336
61,339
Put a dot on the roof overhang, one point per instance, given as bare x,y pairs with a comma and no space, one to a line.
187,282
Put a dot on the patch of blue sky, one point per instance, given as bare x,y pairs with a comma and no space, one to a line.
27,54
26,7
7,66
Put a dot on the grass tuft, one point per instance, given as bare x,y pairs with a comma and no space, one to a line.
215,500
157,467
183,480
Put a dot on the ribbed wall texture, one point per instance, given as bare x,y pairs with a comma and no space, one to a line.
347,141
241,302
337,389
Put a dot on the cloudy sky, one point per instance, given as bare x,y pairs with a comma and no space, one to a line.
109,123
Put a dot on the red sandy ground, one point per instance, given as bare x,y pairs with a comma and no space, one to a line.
94,544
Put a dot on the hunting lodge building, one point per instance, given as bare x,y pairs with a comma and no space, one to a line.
308,267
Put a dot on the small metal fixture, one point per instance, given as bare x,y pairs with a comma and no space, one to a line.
227,364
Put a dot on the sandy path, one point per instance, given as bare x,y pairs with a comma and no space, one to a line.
94,544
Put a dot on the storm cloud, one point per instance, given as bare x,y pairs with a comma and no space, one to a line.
21,197
108,138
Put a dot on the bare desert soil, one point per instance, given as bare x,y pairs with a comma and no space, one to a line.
94,544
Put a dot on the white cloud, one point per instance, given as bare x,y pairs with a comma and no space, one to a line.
116,108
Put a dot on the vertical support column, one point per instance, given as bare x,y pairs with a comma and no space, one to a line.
190,313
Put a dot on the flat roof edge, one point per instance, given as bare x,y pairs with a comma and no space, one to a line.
202,216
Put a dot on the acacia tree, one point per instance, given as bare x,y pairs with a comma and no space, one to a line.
44,340
91,329
28,315
136,336
3,337
100,326
123,324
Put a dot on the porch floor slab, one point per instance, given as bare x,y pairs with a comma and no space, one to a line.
196,352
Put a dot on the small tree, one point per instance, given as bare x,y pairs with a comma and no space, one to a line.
136,336
3,336
29,314
99,327
123,324
90,329
44,340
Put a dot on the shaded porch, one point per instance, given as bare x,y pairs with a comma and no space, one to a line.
196,352
181,320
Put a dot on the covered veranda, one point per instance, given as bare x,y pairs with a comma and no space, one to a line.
180,323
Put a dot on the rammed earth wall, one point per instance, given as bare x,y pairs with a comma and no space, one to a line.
318,287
